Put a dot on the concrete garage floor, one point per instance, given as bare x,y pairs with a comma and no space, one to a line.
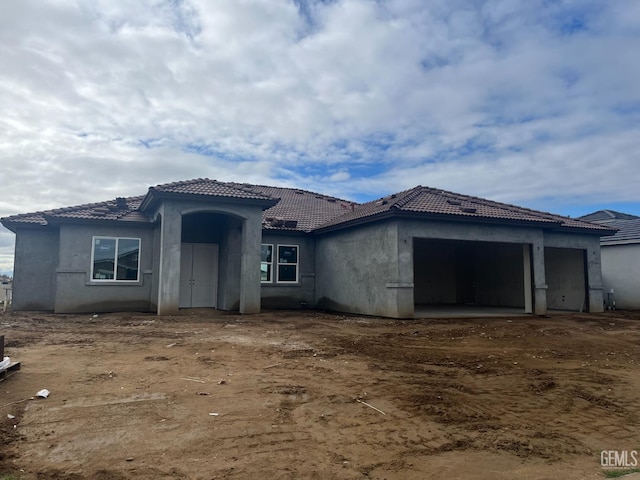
465,311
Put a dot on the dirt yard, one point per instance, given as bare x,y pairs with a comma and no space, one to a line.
291,395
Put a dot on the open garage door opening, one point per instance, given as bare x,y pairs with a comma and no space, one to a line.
465,278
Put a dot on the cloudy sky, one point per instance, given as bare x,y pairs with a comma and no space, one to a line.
532,102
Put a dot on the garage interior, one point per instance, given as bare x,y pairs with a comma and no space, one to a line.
469,278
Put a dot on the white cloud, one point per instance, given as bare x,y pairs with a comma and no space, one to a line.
515,100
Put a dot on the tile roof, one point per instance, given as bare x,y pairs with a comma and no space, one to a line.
210,188
628,232
426,200
120,209
297,209
305,211
601,215
628,226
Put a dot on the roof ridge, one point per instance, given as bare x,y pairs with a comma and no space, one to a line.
296,189
409,195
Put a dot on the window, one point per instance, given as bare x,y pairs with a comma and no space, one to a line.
266,264
115,259
287,263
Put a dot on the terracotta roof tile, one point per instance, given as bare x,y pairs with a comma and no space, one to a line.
123,209
448,204
302,209
211,188
305,211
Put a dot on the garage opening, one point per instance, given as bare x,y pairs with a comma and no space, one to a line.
565,276
467,278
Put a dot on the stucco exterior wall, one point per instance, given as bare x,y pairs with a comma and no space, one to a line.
287,295
621,272
239,265
357,270
76,292
36,260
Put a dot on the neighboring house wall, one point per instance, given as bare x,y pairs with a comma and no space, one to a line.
621,272
36,259
77,292
287,295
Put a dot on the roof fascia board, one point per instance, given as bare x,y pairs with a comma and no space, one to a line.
394,213
13,226
612,243
97,221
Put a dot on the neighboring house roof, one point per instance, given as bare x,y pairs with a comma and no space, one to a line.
442,204
628,226
602,215
291,209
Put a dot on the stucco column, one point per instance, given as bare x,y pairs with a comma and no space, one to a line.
250,264
539,281
528,291
594,277
169,273
404,287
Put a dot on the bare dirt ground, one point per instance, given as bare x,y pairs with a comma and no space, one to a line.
208,395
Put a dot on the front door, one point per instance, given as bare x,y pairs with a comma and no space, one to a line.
198,275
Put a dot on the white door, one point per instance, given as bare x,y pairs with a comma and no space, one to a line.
198,275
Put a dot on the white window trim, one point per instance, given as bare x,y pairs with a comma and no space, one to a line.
273,252
115,266
297,264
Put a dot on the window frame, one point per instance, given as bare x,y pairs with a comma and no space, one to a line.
273,249
296,264
115,260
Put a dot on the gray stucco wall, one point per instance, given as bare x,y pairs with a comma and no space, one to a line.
230,266
76,292
357,270
371,269
621,272
286,295
36,260
239,263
